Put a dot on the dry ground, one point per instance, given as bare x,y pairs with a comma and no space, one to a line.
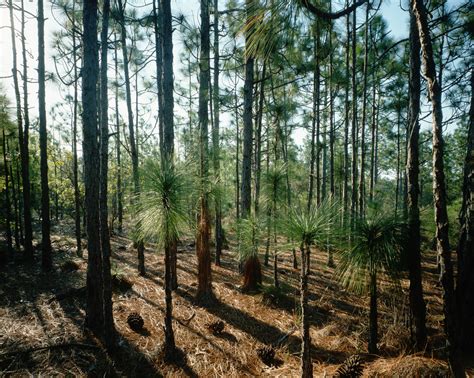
30,319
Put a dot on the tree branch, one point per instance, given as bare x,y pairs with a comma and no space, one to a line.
328,15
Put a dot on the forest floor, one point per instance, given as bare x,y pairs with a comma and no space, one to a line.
41,334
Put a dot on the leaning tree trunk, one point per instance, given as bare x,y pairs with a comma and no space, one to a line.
439,186
306,363
465,280
46,261
90,70
109,329
417,303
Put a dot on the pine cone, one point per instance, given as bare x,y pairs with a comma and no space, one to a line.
266,354
135,321
352,367
216,328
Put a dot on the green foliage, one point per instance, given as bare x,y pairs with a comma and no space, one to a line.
250,234
316,227
162,211
377,242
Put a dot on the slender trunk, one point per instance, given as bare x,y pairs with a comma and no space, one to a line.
17,220
168,140
306,363
258,141
90,70
364,117
46,260
204,291
314,159
77,204
7,193
373,142
237,147
325,147
216,136
332,187
373,324
23,145
118,147
157,22
354,207
131,129
465,279
345,193
417,303
109,328
248,128
397,188
439,186
20,205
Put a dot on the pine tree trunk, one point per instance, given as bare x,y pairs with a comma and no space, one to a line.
345,192
46,260
118,148
306,363
216,136
246,192
157,23
417,303
204,292
361,189
439,187
131,128
465,279
354,207
17,219
168,140
90,70
373,323
23,145
109,328
8,215
77,204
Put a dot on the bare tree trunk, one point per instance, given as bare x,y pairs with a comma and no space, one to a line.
306,363
131,129
77,204
216,136
118,148
373,326
439,187
23,145
465,279
90,70
354,117
314,158
248,129
204,292
345,193
417,303
168,148
364,117
157,23
7,193
109,328
46,261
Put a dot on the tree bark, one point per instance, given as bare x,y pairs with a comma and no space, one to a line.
216,136
246,192
131,129
373,324
7,193
109,328
417,303
46,260
439,186
465,279
306,363
157,23
118,147
23,146
204,291
345,192
354,118
90,70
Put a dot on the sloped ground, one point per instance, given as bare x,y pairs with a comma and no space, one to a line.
30,318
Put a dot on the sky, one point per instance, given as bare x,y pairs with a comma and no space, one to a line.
391,10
